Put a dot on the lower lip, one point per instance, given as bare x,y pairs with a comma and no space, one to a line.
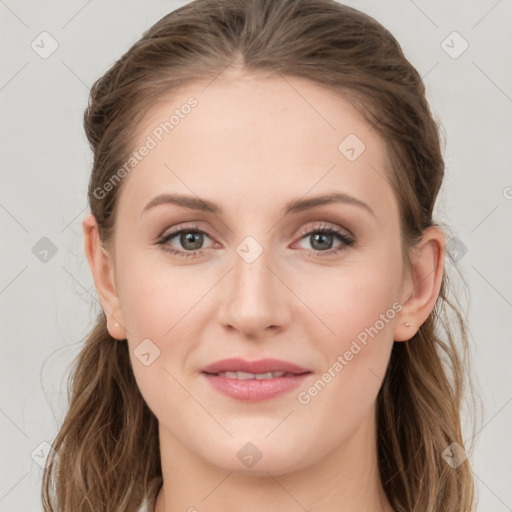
254,390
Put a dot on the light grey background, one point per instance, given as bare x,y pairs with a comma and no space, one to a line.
47,307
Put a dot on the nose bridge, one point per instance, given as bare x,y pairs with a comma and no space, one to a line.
253,298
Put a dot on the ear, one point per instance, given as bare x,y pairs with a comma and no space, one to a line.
422,283
102,269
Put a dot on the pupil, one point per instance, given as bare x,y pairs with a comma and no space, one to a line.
188,238
321,237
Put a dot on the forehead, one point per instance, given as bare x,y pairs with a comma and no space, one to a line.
270,138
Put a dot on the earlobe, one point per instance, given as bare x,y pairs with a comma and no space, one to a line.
422,285
100,263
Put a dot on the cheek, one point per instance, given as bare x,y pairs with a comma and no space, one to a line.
155,298
158,311
358,309
158,314
353,297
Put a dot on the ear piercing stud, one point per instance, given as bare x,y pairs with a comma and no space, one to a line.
407,324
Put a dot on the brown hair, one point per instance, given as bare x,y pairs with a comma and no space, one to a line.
107,450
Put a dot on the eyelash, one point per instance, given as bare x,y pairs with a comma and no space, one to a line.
341,236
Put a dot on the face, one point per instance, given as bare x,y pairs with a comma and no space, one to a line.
264,273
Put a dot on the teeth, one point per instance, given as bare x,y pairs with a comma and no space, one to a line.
249,376
269,375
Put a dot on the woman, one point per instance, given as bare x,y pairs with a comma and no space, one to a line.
273,333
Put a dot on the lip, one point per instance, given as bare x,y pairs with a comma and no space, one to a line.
254,390
259,366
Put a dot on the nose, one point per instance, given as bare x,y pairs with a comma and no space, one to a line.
254,301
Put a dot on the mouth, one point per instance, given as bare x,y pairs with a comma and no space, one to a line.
249,376
254,381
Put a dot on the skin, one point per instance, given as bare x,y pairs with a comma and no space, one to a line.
251,145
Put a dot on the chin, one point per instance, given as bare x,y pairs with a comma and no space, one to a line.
259,457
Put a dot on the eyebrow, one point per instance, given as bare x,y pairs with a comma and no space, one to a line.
294,206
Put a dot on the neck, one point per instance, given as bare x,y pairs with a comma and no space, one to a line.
347,480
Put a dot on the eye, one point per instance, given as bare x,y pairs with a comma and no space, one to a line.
321,240
190,239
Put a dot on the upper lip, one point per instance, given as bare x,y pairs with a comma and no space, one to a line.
260,366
